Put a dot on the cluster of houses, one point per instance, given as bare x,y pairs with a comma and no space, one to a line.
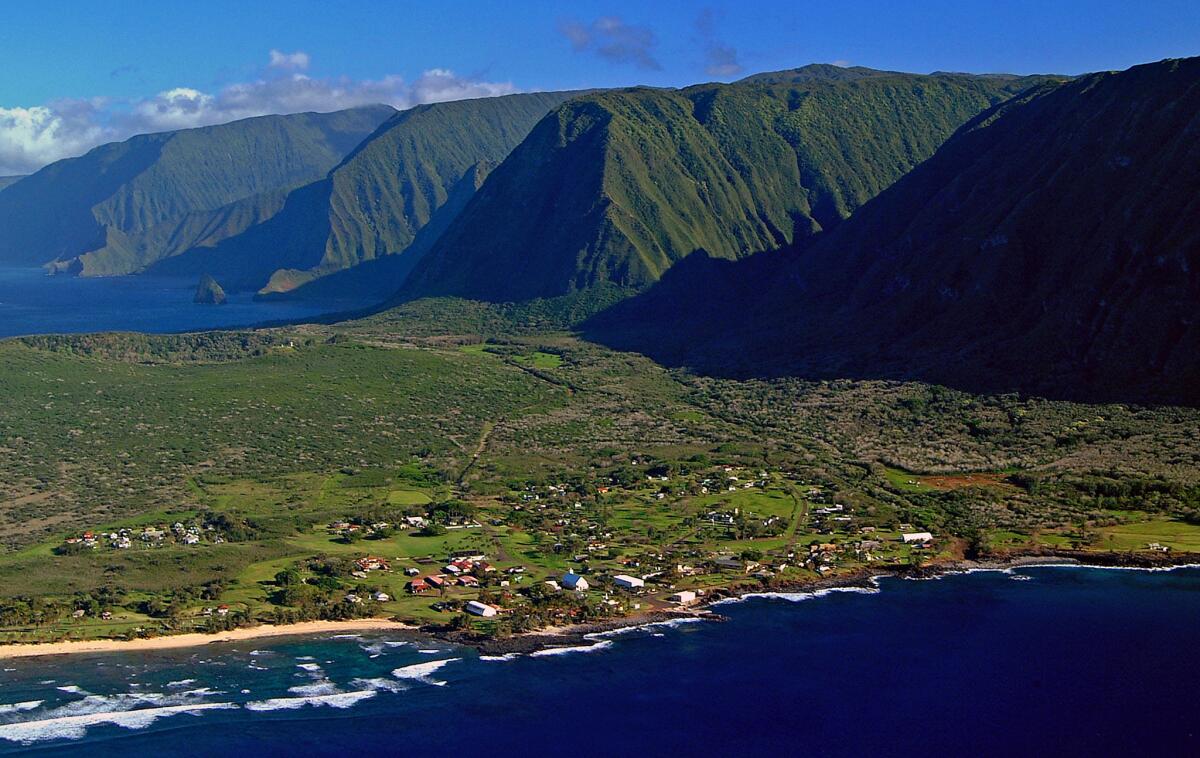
577,583
378,596
154,536
344,528
461,571
731,482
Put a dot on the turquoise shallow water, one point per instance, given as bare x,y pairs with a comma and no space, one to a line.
33,303
1041,660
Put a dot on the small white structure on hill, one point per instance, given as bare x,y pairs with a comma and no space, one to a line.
573,581
921,537
684,597
476,608
628,582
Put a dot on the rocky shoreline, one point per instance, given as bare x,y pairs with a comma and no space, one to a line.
584,634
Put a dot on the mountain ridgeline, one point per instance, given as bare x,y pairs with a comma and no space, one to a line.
1051,246
124,205
417,169
615,187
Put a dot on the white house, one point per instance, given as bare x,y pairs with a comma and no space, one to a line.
628,582
684,597
573,581
910,537
476,608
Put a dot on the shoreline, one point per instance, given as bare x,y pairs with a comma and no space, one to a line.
584,634
198,639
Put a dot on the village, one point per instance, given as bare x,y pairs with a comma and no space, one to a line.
627,536
637,535
555,552
152,535
644,536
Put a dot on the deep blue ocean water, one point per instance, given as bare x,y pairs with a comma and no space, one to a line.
1061,661
33,303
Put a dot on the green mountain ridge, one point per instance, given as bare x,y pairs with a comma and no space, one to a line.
8,181
615,187
376,201
122,205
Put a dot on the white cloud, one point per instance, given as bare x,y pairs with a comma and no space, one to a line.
297,61
176,108
34,136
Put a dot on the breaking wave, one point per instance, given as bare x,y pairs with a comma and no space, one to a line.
421,671
668,624
384,685
798,597
333,700
71,721
573,649
324,687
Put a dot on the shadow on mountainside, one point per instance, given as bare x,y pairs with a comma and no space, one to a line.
764,317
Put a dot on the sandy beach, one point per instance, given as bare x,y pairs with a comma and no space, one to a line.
197,639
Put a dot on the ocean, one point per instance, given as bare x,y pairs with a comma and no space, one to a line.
33,303
1035,660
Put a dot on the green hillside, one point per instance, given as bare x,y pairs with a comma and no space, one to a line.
617,186
381,195
7,181
123,205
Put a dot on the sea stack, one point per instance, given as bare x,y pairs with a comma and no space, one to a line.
208,292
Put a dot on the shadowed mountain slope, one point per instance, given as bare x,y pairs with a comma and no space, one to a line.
1051,246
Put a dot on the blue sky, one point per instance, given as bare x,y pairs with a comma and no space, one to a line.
78,73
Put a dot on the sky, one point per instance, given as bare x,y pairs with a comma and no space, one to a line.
76,74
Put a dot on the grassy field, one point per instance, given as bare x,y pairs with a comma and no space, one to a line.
95,439
1176,535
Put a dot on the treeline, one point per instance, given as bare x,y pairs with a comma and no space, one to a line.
162,348
40,611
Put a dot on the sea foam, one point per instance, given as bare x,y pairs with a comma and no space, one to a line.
668,624
71,721
334,700
498,658
573,649
799,597
421,672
